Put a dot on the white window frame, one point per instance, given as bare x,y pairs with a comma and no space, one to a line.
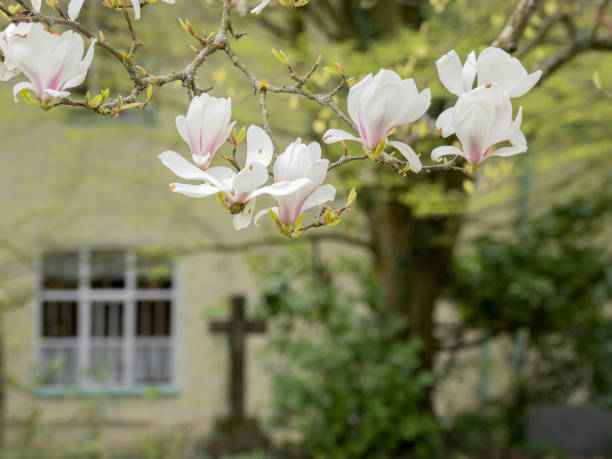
84,296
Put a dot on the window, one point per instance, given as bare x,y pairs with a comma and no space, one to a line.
106,320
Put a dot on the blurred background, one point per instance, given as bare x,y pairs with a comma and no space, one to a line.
447,316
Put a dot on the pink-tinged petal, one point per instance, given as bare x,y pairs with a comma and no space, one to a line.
136,6
321,195
338,135
243,219
354,97
472,130
250,178
263,212
180,166
259,8
447,150
444,123
525,84
74,8
194,191
450,72
409,154
378,117
259,146
20,87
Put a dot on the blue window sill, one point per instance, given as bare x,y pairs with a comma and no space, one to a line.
148,392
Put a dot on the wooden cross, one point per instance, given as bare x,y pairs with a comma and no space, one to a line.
236,329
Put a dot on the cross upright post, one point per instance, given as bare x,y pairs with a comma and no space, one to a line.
237,328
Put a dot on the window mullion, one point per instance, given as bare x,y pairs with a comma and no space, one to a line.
129,319
84,316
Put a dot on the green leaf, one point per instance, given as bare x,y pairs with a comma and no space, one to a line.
282,57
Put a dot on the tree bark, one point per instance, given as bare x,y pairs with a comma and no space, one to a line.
412,256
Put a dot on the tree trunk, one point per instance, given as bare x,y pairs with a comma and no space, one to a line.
413,255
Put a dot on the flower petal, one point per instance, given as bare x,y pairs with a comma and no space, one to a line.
243,219
321,195
20,87
281,189
409,154
338,135
258,9
444,123
250,178
54,93
259,146
181,167
36,4
450,72
74,8
136,6
468,73
194,191
525,84
446,150
509,151
263,212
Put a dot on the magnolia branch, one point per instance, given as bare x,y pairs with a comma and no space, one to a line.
517,24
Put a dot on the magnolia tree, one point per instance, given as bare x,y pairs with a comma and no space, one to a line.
483,119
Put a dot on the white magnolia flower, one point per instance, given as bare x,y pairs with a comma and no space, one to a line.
258,9
51,62
302,165
8,69
481,118
238,189
36,4
493,66
377,105
206,127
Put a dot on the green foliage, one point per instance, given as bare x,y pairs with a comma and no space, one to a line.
553,279
341,380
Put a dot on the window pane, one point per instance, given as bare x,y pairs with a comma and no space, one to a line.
106,365
154,272
60,270
59,319
153,318
106,319
152,364
59,365
108,269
